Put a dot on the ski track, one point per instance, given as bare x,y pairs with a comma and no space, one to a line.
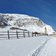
39,49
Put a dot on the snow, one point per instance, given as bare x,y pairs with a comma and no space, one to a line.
35,28
27,22
32,28
49,29
32,46
49,49
21,47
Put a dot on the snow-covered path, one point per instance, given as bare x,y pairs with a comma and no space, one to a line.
36,52
20,47
49,49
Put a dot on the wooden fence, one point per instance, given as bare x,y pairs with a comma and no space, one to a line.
16,34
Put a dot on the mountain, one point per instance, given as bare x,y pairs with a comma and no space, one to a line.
30,23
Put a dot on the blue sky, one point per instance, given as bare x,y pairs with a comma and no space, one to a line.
44,9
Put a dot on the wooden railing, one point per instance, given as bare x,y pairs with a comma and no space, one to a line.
17,34
14,34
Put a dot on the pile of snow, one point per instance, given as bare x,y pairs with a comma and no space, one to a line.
30,23
21,47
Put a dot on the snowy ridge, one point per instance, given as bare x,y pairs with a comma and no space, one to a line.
20,19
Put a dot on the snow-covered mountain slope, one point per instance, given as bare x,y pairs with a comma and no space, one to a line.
21,20
30,23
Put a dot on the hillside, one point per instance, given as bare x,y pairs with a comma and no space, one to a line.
30,23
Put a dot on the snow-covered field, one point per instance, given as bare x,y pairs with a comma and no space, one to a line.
49,49
29,46
21,47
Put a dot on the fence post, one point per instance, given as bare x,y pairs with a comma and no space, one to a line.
23,33
32,34
28,34
17,34
8,35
